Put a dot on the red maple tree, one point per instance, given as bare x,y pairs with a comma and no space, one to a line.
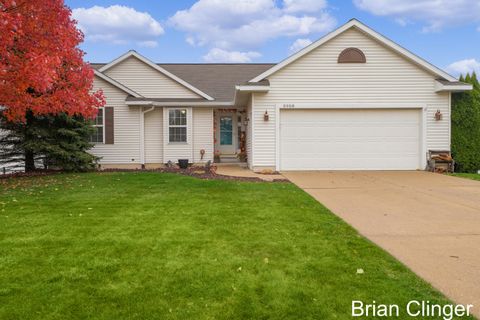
41,67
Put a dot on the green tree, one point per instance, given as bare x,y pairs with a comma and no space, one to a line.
55,141
466,126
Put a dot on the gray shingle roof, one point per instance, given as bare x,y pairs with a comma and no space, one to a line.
216,80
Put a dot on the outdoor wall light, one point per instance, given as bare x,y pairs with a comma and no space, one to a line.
266,116
438,115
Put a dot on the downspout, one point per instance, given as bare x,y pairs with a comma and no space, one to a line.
142,135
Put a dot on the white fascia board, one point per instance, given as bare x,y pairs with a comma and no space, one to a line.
252,88
372,33
117,84
440,87
352,105
180,104
135,54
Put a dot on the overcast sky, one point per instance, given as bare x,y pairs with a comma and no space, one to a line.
445,32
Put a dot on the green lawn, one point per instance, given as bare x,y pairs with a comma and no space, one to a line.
164,246
473,176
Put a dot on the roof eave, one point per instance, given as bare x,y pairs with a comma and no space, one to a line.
180,103
441,87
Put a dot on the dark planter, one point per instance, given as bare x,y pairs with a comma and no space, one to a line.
183,163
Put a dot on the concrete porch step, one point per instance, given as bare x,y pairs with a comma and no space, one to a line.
231,164
229,158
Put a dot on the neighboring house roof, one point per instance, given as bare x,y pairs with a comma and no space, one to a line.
218,80
370,32
155,66
96,66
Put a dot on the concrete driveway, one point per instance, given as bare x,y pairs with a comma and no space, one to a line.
428,221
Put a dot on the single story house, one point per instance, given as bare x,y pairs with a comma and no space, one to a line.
353,100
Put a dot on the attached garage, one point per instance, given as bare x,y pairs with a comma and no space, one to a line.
350,139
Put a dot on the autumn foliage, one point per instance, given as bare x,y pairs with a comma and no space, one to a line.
41,68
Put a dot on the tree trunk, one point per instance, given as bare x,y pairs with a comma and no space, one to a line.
29,161
29,154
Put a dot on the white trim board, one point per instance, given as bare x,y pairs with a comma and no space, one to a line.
252,88
370,32
180,104
133,53
343,105
440,87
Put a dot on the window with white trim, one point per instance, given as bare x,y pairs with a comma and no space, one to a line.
98,125
177,125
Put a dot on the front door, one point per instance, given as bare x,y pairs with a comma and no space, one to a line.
226,133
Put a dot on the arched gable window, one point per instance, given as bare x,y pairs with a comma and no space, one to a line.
352,55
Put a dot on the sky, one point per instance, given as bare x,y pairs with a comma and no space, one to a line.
444,32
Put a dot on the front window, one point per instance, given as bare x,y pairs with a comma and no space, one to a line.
97,136
177,125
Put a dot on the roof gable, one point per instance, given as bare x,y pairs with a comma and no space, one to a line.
371,33
165,73
117,84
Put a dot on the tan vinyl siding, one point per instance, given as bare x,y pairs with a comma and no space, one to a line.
147,81
438,132
126,147
202,134
177,150
317,78
249,132
264,146
154,136
199,136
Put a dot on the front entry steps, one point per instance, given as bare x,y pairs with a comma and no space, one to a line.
232,164
229,158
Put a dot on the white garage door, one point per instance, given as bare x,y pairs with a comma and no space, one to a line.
345,139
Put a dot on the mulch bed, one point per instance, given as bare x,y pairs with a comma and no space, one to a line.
193,171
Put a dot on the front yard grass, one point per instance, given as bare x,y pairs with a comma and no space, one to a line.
164,246
473,176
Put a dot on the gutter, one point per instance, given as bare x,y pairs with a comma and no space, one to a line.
252,88
180,104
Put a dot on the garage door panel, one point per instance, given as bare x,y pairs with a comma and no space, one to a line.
349,139
368,130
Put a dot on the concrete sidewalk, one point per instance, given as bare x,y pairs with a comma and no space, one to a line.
243,172
428,221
